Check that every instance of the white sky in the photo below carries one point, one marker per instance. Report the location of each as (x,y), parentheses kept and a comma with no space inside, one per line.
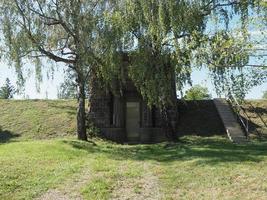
(49,86)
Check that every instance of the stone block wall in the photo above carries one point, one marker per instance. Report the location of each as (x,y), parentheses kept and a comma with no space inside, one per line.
(199,118)
(99,112)
(99,107)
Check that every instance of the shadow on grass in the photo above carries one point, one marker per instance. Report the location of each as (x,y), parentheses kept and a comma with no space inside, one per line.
(256,128)
(252,126)
(6,136)
(257,109)
(203,150)
(66,108)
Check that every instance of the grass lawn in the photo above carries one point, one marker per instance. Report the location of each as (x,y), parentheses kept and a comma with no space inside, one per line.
(35,166)
(197,168)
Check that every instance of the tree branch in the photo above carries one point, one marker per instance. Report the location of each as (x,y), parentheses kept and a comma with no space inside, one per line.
(261,66)
(52,20)
(207,9)
(37,44)
(63,24)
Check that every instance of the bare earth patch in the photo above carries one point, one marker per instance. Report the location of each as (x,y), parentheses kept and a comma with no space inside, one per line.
(145,187)
(55,195)
(70,189)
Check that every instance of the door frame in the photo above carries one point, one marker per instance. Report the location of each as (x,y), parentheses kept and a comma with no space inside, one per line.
(136,100)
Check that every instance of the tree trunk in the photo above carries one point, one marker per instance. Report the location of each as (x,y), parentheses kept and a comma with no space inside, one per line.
(170,112)
(81,117)
(169,126)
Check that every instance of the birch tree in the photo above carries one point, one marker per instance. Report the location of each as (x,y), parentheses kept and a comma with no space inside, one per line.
(64,31)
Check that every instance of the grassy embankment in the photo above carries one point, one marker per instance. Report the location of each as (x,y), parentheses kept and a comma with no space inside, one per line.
(257,113)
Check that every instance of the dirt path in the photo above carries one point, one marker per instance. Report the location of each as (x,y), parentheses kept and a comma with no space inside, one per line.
(70,189)
(146,187)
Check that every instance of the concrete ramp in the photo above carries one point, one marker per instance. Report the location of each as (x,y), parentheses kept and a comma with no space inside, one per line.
(232,127)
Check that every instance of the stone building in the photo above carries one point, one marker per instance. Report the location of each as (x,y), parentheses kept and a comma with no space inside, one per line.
(124,116)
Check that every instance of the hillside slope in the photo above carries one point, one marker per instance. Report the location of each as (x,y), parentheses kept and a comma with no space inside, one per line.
(257,113)
(37,119)
(42,119)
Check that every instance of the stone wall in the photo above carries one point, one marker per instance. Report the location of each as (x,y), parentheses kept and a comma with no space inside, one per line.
(107,112)
(199,118)
(99,108)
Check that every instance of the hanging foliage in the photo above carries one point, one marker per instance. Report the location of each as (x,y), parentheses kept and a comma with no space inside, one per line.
(66,31)
(167,39)
(162,40)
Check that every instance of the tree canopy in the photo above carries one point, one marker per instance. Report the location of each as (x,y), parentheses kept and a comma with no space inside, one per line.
(163,39)
(168,39)
(197,92)
(68,89)
(62,31)
(7,90)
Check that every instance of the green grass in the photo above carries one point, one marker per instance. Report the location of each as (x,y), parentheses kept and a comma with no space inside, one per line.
(29,168)
(99,188)
(256,125)
(195,168)
(37,119)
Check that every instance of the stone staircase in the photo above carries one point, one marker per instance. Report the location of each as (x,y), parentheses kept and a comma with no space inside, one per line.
(232,127)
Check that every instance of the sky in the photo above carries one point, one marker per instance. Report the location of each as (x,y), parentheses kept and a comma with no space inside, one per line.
(49,86)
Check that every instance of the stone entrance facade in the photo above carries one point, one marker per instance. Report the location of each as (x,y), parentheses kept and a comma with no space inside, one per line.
(125,117)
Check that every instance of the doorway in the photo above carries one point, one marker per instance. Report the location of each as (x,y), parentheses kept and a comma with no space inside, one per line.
(132,121)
